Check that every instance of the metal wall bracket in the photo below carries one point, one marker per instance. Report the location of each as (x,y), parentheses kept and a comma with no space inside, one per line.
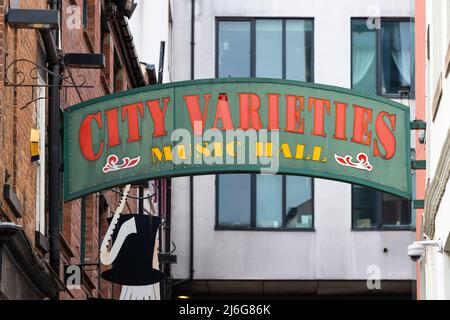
(13,201)
(418,125)
(418,164)
(418,204)
(17,78)
(22,79)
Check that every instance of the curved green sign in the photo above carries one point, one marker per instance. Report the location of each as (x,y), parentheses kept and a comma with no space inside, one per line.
(236,125)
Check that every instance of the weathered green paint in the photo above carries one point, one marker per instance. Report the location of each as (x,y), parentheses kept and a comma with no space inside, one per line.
(418,204)
(419,164)
(418,125)
(83,177)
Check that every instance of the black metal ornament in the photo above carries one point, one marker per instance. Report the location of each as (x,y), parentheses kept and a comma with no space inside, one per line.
(133,265)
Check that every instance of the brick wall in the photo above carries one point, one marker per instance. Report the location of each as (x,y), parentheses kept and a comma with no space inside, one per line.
(16,123)
(89,40)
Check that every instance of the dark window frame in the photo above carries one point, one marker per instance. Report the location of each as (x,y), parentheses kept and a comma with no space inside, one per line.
(378,55)
(85,14)
(252,21)
(380,226)
(253,212)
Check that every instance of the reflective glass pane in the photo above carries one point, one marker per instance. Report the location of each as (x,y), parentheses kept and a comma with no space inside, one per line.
(234,200)
(363,57)
(299,50)
(268,201)
(396,211)
(299,202)
(365,207)
(269,46)
(397,40)
(234,49)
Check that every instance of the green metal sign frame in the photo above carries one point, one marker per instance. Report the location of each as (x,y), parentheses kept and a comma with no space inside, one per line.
(323,131)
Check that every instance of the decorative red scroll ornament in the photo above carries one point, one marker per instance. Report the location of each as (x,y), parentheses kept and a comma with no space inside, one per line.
(362,164)
(112,163)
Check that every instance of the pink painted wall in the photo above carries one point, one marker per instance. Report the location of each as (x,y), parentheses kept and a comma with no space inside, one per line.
(420,43)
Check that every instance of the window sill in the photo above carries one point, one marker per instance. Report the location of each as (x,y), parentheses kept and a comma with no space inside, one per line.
(386,229)
(394,96)
(216,228)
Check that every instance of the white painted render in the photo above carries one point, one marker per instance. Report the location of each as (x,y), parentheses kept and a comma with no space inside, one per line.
(437,265)
(149,26)
(332,251)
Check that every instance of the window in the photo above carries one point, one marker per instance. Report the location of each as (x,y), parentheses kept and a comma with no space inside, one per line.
(373,209)
(234,203)
(234,49)
(85,14)
(264,202)
(299,202)
(41,163)
(270,48)
(383,59)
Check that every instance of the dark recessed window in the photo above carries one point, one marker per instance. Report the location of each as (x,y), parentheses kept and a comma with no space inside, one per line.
(85,14)
(383,58)
(373,210)
(264,202)
(267,48)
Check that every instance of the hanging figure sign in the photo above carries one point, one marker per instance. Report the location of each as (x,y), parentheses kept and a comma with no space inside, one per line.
(128,246)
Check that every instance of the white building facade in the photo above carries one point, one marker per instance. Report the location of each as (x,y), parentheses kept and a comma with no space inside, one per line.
(435,265)
(254,235)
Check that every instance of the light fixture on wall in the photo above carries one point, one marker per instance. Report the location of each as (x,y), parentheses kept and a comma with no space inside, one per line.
(85,60)
(33,19)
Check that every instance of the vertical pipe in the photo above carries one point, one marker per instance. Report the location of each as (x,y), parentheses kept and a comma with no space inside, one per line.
(162,48)
(163,282)
(141,200)
(168,242)
(191,225)
(54,146)
(160,209)
(163,232)
(192,39)
(83,231)
(191,178)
